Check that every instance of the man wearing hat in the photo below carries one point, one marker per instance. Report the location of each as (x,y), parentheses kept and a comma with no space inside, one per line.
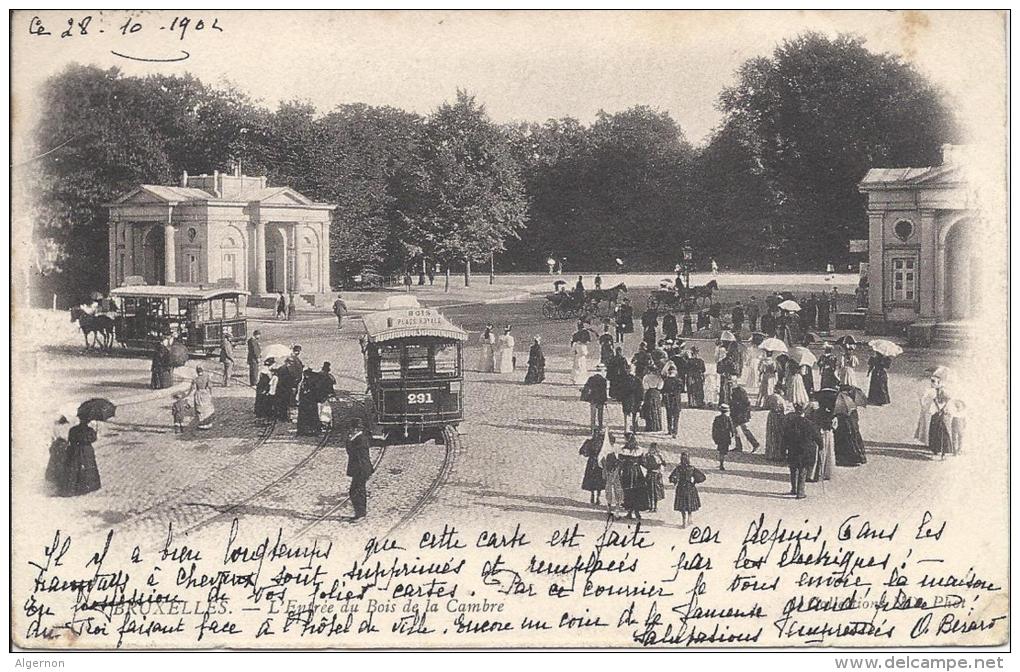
(359,467)
(802,441)
(723,433)
(595,392)
(254,357)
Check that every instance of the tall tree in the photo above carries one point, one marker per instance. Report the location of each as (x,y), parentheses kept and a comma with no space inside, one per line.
(465,196)
(819,113)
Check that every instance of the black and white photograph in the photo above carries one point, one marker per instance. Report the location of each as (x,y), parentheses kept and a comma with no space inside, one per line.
(509,330)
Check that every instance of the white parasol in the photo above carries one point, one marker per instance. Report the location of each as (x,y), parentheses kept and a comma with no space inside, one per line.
(773,345)
(277,351)
(727,336)
(884,347)
(790,305)
(802,356)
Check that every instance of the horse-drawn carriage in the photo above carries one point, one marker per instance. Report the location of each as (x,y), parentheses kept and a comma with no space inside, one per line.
(594,303)
(681,298)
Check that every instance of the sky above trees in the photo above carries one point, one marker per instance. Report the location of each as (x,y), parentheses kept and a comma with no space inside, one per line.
(525,66)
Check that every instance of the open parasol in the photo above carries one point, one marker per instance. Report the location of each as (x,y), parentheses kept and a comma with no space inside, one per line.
(277,351)
(856,394)
(773,345)
(884,347)
(757,337)
(727,337)
(178,354)
(790,305)
(97,409)
(802,356)
(844,404)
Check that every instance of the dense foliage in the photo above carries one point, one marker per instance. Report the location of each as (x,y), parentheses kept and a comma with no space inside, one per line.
(775,186)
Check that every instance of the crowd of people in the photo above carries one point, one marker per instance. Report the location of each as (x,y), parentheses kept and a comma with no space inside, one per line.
(760,361)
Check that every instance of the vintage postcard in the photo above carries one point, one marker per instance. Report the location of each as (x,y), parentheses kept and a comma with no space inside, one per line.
(509,329)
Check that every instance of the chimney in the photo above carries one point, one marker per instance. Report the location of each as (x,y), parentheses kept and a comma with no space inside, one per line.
(217,184)
(184,179)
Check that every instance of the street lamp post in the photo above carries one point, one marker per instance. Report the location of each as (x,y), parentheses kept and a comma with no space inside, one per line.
(688,255)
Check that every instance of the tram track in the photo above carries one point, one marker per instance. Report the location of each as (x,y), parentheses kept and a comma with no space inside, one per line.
(265,433)
(451,444)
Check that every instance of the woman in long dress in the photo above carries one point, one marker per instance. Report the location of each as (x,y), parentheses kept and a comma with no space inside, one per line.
(651,409)
(750,355)
(162,369)
(940,427)
(308,405)
(536,363)
(81,473)
(486,359)
(263,398)
(686,479)
(766,378)
(58,449)
(594,480)
(847,363)
(938,381)
(201,387)
(606,344)
(504,361)
(632,479)
(849,444)
(878,386)
(774,423)
(695,375)
(279,394)
(653,463)
(796,390)
(579,365)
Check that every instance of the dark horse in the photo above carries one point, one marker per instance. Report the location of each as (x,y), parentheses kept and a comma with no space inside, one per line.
(612,295)
(700,292)
(96,325)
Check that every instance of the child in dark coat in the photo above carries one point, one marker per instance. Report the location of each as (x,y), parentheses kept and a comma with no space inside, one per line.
(180,410)
(723,433)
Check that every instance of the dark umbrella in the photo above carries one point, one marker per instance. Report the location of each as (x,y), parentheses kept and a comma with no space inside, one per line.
(97,409)
(826,398)
(844,341)
(757,337)
(178,354)
(856,395)
(844,404)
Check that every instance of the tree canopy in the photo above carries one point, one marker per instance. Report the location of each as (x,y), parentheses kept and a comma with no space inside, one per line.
(775,185)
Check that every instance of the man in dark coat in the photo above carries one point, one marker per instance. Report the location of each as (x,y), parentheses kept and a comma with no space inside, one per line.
(802,441)
(752,314)
(254,357)
(670,329)
(738,318)
(822,308)
(359,467)
(723,433)
(597,394)
(768,323)
(740,405)
(339,308)
(624,320)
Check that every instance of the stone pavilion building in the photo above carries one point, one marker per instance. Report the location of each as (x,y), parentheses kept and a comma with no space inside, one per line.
(223,229)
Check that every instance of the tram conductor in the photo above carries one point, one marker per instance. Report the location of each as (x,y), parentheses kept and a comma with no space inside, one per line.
(359,467)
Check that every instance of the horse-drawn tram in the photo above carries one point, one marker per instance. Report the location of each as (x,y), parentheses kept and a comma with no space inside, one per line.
(198,316)
(414,366)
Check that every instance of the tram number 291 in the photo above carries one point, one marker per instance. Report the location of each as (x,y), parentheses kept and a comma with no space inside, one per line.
(419,398)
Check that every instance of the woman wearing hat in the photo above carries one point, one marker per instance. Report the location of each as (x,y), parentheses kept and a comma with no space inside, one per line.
(504,352)
(695,372)
(610,464)
(536,363)
(201,387)
(59,447)
(778,408)
(767,378)
(686,479)
(633,479)
(80,473)
(845,373)
(878,383)
(651,408)
(594,480)
(486,358)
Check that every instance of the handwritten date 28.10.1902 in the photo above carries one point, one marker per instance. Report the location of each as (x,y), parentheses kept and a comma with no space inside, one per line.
(83,26)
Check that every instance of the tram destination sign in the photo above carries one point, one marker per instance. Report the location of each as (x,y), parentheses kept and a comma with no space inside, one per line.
(418,317)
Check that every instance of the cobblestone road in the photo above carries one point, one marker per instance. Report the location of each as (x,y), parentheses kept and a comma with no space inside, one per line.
(518,461)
